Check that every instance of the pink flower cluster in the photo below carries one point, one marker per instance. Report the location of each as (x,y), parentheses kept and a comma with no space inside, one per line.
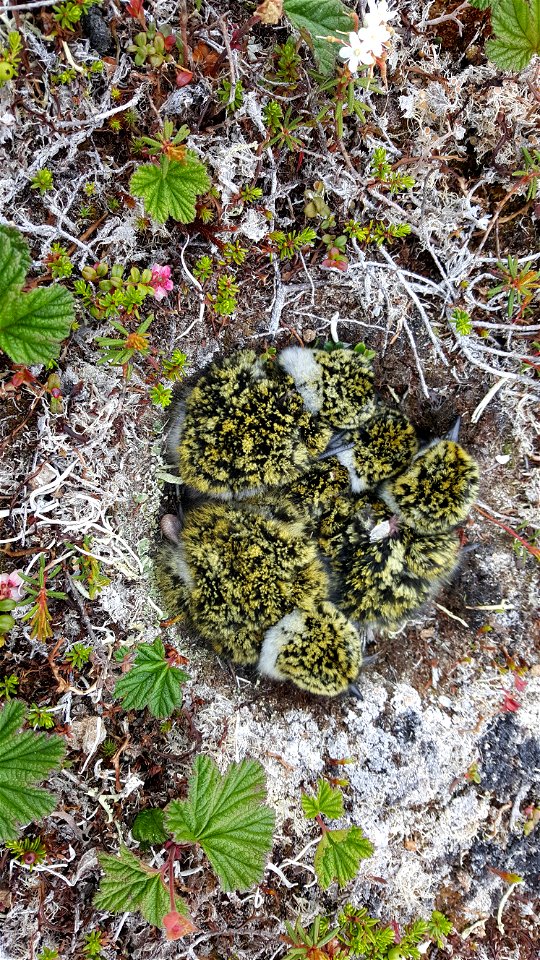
(11,586)
(161,281)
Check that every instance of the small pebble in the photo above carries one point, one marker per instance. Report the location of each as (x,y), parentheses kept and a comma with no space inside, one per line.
(96,30)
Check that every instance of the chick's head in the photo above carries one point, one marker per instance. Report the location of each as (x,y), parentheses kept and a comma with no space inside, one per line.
(382,447)
(244,427)
(387,570)
(315,647)
(438,489)
(246,572)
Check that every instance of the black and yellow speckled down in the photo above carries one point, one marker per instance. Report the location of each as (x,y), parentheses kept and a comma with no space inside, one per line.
(438,489)
(244,428)
(347,388)
(242,572)
(316,647)
(313,491)
(379,449)
(387,571)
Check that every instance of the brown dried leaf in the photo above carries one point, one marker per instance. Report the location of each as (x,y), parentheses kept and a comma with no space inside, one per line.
(205,58)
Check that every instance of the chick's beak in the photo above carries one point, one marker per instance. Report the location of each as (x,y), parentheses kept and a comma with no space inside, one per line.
(355,692)
(453,433)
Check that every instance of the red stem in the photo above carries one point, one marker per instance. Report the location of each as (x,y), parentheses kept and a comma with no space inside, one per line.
(528,546)
(172,852)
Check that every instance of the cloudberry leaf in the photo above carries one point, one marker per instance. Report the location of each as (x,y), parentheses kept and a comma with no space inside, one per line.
(33,324)
(170,188)
(14,262)
(226,816)
(130,885)
(516,25)
(152,682)
(328,801)
(25,759)
(339,854)
(327,18)
(148,826)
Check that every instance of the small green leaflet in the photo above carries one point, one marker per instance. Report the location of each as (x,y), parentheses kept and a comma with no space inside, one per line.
(516,25)
(148,826)
(339,854)
(439,927)
(170,188)
(31,324)
(327,18)
(226,816)
(129,885)
(328,801)
(152,682)
(14,261)
(482,4)
(25,759)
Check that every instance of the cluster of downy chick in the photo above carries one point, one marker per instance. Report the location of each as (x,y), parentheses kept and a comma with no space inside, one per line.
(310,514)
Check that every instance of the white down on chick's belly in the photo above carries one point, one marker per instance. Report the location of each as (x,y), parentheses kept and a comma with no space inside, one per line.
(302,366)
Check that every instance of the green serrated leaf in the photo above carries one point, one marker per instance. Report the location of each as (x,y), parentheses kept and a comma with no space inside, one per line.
(327,18)
(152,682)
(170,189)
(32,325)
(14,262)
(226,816)
(25,758)
(148,826)
(130,885)
(339,854)
(516,25)
(328,801)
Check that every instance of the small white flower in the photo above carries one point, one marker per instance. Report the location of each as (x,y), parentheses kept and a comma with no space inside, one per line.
(379,13)
(373,38)
(356,53)
(367,44)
